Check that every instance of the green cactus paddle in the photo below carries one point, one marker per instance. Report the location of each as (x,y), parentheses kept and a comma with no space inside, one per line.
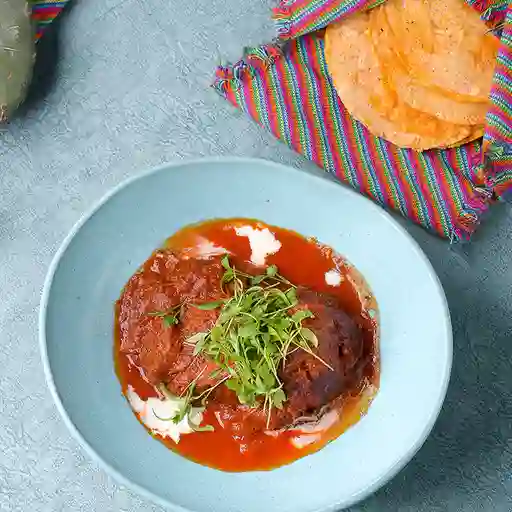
(17,54)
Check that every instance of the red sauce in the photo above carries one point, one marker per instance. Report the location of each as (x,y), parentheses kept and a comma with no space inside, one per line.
(304,262)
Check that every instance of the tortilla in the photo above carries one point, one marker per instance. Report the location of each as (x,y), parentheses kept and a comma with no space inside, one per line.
(415,72)
(476,133)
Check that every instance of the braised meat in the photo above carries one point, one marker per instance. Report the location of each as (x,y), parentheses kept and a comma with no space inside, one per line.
(171,284)
(168,281)
(309,383)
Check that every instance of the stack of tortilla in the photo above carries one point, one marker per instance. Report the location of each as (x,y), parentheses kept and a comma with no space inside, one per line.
(415,72)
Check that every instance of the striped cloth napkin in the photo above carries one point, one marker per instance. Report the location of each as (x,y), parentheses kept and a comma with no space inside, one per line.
(43,13)
(286,88)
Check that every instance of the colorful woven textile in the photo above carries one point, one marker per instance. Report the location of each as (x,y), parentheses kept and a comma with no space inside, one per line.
(299,17)
(43,13)
(498,132)
(286,88)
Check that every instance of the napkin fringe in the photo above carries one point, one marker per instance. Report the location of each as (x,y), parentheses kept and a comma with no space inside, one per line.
(493,13)
(498,169)
(470,217)
(282,20)
(229,78)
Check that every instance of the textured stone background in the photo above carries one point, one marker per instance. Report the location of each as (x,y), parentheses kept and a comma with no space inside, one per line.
(122,86)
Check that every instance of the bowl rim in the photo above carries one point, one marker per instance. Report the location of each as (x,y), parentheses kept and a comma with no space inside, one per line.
(369,489)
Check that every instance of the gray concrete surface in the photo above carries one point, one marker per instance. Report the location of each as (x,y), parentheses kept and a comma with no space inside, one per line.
(122,86)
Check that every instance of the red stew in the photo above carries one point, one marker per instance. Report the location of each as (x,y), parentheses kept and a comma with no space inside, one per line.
(144,353)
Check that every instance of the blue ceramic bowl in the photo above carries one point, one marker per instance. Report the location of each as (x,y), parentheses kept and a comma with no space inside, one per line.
(105,248)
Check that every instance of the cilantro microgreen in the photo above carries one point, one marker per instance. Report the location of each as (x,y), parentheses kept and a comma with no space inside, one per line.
(185,407)
(208,306)
(169,316)
(205,428)
(256,329)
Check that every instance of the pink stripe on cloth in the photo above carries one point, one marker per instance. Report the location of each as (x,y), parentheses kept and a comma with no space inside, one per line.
(43,13)
(498,132)
(299,17)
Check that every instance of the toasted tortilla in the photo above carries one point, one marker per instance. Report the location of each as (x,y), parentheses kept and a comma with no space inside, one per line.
(415,72)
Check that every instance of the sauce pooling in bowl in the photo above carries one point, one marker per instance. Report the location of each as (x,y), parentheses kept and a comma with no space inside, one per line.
(326,390)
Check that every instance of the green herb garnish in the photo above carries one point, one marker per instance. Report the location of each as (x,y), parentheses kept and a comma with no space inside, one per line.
(255,331)
(169,316)
(185,406)
(204,428)
(208,306)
